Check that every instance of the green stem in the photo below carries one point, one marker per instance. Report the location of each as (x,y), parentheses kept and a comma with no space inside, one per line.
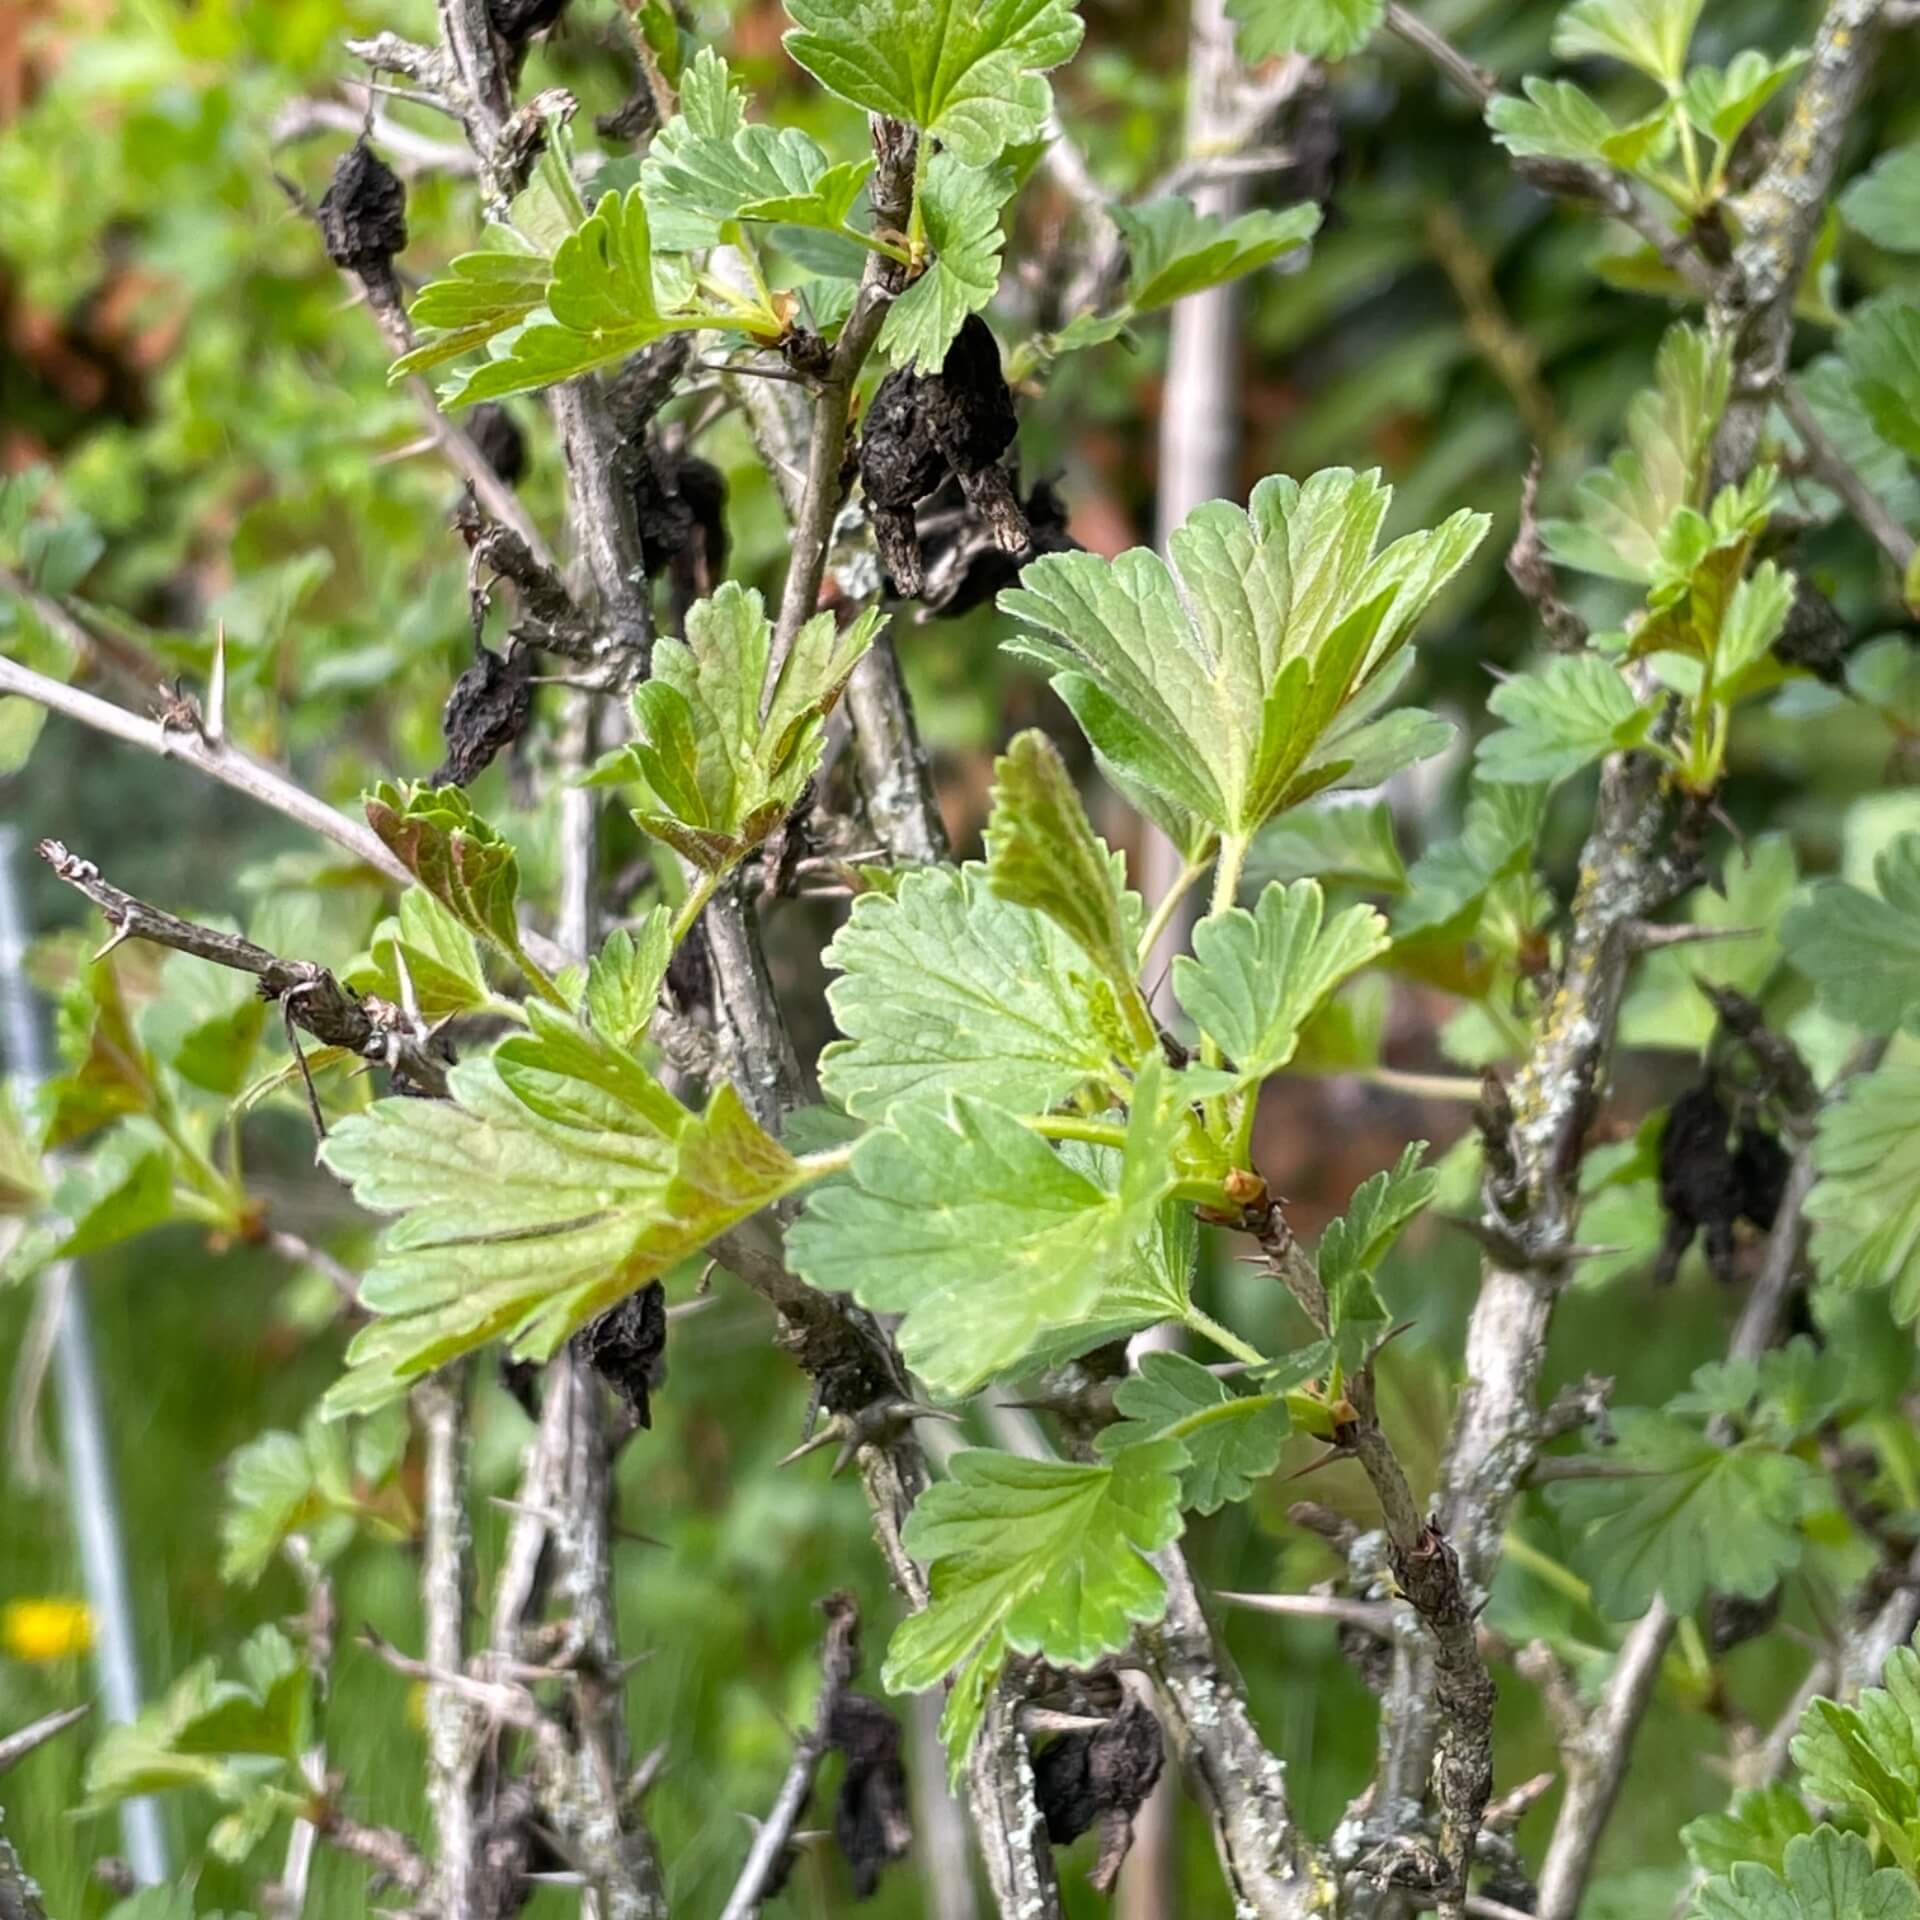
(1169,901)
(1073,1126)
(1208,1328)
(829,1161)
(1544,1567)
(693,906)
(874,244)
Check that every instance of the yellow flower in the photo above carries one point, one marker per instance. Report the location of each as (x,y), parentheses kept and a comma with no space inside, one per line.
(45,1629)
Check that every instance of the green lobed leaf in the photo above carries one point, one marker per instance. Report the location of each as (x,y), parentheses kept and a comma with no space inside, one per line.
(1556,120)
(1042,1557)
(967,76)
(1323,29)
(1577,709)
(961,206)
(624,977)
(947,988)
(982,1235)
(1333,841)
(1255,979)
(1757,1827)
(1232,1440)
(1623,509)
(1652,35)
(1723,101)
(1351,1250)
(123,1188)
(1881,346)
(1883,205)
(1864,1755)
(1828,1875)
(480,295)
(558,1178)
(709,165)
(1687,1516)
(1865,1206)
(1043,853)
(721,778)
(426,949)
(1862,950)
(1173,251)
(1216,684)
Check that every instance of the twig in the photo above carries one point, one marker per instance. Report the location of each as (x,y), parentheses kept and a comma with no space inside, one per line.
(219,759)
(1372,1616)
(16,1746)
(1837,471)
(839,1661)
(391,1853)
(413,152)
(314,999)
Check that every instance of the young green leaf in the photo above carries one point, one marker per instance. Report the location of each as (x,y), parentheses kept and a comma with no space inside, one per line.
(600,305)
(314,1483)
(1255,979)
(1865,1207)
(1339,840)
(1323,29)
(1352,1248)
(1687,1515)
(120,1190)
(1828,1875)
(968,77)
(222,1736)
(1577,709)
(1861,950)
(428,950)
(1218,688)
(479,297)
(1042,1557)
(1232,1440)
(1722,101)
(623,978)
(974,1228)
(558,1178)
(947,988)
(1652,35)
(1152,1285)
(1173,251)
(1865,1756)
(457,858)
(961,206)
(721,779)
(1042,853)
(1556,121)
(1624,507)
(709,164)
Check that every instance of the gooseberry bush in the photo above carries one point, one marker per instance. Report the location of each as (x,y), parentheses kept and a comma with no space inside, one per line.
(984,1202)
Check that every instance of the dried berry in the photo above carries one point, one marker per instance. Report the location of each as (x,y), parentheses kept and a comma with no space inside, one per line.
(363,216)
(486,712)
(1102,1775)
(628,1348)
(1761,1165)
(1733,1619)
(680,502)
(498,440)
(871,1822)
(965,564)
(920,428)
(1699,1187)
(1816,636)
(517,21)
(521,1378)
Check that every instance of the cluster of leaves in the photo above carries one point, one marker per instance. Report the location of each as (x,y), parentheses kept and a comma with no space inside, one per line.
(1767,1857)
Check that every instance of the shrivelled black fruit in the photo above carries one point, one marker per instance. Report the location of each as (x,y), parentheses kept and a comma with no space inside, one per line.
(1732,1619)
(498,440)
(517,21)
(920,428)
(680,502)
(486,712)
(871,1822)
(1707,1182)
(1698,1185)
(1102,1775)
(1761,1165)
(628,1347)
(966,566)
(363,214)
